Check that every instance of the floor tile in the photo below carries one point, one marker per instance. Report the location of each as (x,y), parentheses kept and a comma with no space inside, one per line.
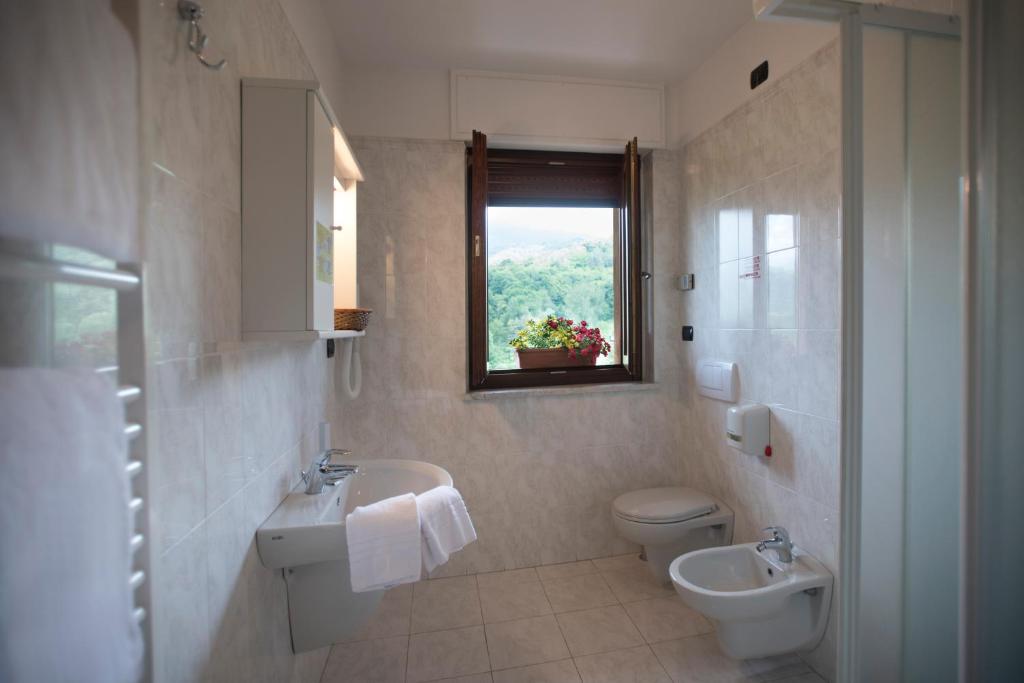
(525,641)
(370,661)
(391,617)
(441,604)
(636,583)
(579,592)
(635,665)
(563,671)
(598,630)
(513,601)
(554,572)
(609,564)
(699,660)
(667,619)
(472,678)
(447,654)
(507,577)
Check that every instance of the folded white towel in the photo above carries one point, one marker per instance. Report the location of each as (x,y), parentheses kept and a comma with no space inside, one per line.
(384,544)
(444,525)
(65,602)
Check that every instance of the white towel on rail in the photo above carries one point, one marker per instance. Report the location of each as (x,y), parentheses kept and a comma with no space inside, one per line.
(384,543)
(65,602)
(69,164)
(445,525)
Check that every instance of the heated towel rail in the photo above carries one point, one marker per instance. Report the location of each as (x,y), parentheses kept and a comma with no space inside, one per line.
(27,264)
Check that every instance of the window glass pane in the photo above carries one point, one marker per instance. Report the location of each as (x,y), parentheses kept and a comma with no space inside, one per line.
(84,318)
(549,261)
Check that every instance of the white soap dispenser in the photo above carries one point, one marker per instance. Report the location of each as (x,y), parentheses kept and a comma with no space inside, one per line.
(746,429)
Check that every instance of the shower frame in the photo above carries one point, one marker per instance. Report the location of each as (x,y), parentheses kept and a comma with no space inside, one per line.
(852,18)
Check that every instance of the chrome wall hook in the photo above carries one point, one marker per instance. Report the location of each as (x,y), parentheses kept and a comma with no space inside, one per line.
(192,12)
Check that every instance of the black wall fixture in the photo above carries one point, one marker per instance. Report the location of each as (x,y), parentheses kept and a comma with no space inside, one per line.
(759,75)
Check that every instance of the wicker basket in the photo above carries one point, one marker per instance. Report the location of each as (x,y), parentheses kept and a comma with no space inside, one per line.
(352,318)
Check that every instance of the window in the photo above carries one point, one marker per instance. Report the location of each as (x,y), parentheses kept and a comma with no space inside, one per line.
(84,318)
(553,234)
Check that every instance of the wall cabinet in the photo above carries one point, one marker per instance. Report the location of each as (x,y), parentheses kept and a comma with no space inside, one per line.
(292,153)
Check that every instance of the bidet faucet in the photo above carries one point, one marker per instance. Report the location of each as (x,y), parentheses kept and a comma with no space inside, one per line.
(322,472)
(779,542)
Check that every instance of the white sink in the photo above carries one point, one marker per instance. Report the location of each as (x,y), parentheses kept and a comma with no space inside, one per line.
(305,536)
(761,606)
(305,529)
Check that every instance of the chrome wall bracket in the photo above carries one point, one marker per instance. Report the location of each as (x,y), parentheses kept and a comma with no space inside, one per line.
(192,12)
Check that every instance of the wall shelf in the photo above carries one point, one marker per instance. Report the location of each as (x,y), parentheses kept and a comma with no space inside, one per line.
(301,335)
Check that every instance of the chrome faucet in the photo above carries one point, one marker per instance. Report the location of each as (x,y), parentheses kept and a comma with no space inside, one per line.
(779,542)
(322,472)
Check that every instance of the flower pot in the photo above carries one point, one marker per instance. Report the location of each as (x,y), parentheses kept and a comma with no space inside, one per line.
(531,359)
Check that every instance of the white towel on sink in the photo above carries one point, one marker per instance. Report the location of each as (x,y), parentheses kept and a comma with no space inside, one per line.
(444,525)
(384,543)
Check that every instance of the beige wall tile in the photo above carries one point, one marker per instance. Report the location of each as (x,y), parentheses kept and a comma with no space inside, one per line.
(219,465)
(776,158)
(413,208)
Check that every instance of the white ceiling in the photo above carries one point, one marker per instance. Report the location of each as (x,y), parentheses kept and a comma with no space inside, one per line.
(639,40)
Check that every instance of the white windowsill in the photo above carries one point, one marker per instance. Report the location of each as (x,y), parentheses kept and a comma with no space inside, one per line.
(565,390)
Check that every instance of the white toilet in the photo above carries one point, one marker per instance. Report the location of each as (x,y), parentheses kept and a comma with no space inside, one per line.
(669,521)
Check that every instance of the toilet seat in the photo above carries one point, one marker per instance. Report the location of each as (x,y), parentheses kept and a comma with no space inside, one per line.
(664,505)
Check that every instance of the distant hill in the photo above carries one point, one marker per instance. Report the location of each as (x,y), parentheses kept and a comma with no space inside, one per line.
(533,280)
(543,254)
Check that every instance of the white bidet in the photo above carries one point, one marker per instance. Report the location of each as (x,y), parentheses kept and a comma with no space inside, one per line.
(761,605)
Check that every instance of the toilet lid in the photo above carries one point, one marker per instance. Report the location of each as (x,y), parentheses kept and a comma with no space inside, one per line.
(664,504)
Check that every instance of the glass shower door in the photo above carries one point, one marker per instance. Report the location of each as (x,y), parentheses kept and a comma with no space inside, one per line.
(911,361)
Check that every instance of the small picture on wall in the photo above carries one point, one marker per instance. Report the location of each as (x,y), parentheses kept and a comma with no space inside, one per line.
(324,253)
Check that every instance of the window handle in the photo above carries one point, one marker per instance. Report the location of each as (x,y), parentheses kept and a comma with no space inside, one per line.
(476,246)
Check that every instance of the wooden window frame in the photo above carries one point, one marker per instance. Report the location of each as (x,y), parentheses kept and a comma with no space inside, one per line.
(522,180)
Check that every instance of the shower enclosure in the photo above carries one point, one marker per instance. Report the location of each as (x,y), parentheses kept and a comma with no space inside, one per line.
(902,331)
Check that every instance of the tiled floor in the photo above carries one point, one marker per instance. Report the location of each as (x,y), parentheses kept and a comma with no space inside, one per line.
(600,621)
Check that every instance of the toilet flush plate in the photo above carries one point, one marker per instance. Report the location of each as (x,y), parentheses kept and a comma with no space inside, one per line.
(717,379)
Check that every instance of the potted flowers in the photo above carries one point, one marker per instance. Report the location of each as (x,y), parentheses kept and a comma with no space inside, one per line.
(558,342)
